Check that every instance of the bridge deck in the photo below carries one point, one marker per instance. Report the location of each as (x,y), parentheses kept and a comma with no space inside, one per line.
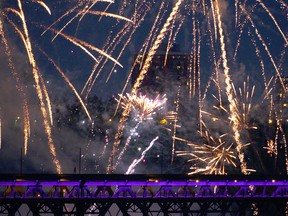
(50,194)
(141,186)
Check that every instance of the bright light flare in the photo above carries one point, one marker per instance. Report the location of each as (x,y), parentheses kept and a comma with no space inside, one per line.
(143,106)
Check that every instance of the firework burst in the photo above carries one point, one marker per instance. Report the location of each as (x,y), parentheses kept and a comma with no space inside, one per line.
(213,33)
(143,106)
(144,109)
(215,156)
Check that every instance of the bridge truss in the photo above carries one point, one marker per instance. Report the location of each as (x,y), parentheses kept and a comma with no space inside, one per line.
(142,195)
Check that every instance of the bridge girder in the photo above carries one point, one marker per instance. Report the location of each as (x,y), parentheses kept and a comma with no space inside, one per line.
(141,195)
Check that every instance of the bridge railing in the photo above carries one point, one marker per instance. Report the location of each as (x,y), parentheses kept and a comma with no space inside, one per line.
(107,186)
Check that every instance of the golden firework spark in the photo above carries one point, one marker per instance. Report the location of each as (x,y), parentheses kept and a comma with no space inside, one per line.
(243,101)
(155,46)
(229,93)
(271,147)
(143,106)
(213,157)
(243,105)
(40,89)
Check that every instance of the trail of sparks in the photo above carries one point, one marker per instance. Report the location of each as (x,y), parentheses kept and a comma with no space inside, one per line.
(274,20)
(272,144)
(43,5)
(82,12)
(47,98)
(118,135)
(279,124)
(131,168)
(198,75)
(243,103)
(82,44)
(26,126)
(106,143)
(236,12)
(216,79)
(257,51)
(137,21)
(264,44)
(155,46)
(192,71)
(132,132)
(101,13)
(229,93)
(70,85)
(175,123)
(172,36)
(19,87)
(214,19)
(28,47)
(144,47)
(125,45)
(59,19)
(154,30)
(216,66)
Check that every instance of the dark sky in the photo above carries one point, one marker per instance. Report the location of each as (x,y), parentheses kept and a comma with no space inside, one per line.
(261,44)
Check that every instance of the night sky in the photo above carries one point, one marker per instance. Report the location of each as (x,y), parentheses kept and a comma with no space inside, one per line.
(254,38)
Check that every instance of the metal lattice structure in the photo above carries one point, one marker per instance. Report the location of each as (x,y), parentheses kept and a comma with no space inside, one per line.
(142,195)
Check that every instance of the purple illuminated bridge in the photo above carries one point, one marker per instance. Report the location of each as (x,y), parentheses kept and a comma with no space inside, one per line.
(49,194)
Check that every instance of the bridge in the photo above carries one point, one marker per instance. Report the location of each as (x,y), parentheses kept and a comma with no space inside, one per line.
(113,194)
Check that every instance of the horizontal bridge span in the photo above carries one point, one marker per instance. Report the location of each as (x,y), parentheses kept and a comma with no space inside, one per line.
(119,195)
(142,186)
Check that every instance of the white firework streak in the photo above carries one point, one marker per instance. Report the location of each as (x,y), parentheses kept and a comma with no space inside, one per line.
(135,162)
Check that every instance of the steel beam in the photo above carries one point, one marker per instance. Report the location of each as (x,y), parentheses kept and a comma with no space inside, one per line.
(142,195)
